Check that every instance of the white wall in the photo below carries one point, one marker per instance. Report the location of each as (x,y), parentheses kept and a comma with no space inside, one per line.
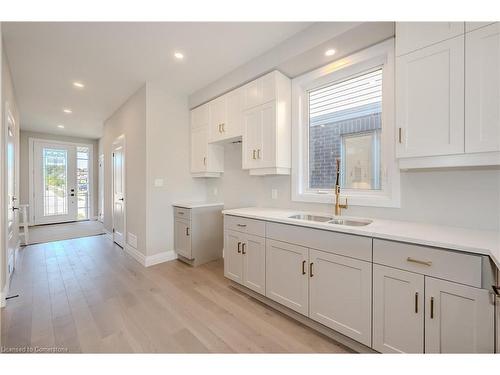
(130,120)
(24,162)
(464,198)
(168,160)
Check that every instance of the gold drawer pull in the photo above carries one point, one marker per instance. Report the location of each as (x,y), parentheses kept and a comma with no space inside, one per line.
(242,225)
(423,262)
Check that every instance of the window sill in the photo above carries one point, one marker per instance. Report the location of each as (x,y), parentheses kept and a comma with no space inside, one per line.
(353,199)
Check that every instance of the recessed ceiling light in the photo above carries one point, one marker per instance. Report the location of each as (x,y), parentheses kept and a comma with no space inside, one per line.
(67,110)
(78,84)
(60,126)
(178,55)
(330,52)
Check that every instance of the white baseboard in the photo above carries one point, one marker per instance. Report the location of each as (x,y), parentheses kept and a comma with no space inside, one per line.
(108,235)
(164,256)
(138,256)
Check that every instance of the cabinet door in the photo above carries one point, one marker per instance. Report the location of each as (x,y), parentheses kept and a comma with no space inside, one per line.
(398,311)
(182,238)
(200,117)
(430,100)
(458,318)
(411,36)
(340,294)
(287,275)
(234,127)
(199,148)
(218,118)
(254,263)
(266,146)
(252,137)
(482,89)
(233,260)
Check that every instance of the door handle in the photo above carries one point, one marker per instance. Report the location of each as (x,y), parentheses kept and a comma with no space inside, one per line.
(121,199)
(15,208)
(72,194)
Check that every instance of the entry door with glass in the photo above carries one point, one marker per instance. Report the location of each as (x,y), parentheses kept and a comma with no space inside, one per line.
(60,182)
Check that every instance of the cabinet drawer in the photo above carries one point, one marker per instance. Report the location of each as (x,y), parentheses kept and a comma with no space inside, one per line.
(182,213)
(443,264)
(241,224)
(349,245)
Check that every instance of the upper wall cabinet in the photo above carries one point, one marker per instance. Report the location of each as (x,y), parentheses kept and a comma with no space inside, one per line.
(226,116)
(267,125)
(482,95)
(430,100)
(448,95)
(415,35)
(207,160)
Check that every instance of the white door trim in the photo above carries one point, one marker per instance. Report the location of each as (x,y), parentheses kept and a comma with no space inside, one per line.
(119,140)
(31,147)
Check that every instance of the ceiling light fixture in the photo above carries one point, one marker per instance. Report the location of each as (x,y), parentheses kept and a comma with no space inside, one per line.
(60,126)
(67,110)
(330,52)
(78,84)
(178,55)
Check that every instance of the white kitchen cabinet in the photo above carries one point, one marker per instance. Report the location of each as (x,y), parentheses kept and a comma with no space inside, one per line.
(430,100)
(398,310)
(182,238)
(260,90)
(226,116)
(267,131)
(287,275)
(411,36)
(340,294)
(207,160)
(458,318)
(245,259)
(497,301)
(482,89)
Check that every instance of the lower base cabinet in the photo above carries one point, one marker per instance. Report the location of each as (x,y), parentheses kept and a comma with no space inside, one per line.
(458,319)
(287,275)
(398,310)
(245,260)
(453,318)
(182,238)
(340,294)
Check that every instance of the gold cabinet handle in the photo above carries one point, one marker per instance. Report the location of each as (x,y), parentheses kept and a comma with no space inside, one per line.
(432,307)
(243,248)
(258,153)
(311,270)
(223,127)
(205,160)
(239,249)
(303,267)
(416,302)
(423,262)
(399,135)
(242,225)
(253,154)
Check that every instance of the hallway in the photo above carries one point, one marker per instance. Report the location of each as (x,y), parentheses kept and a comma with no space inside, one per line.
(87,295)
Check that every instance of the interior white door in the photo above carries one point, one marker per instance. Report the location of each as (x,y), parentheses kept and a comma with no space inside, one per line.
(398,310)
(340,294)
(118,174)
(458,318)
(12,236)
(55,182)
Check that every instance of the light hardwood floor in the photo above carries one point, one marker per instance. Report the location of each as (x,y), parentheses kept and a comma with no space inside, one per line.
(87,295)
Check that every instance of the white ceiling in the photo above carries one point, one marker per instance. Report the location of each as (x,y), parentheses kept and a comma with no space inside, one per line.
(115,59)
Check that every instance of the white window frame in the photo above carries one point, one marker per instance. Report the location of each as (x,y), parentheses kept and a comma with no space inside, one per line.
(380,55)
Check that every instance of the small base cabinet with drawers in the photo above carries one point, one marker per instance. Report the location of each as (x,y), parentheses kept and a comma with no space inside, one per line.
(390,296)
(197,233)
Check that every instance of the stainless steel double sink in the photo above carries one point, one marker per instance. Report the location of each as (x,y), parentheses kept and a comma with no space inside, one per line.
(332,220)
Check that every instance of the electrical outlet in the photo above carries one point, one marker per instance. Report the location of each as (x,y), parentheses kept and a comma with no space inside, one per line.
(274,193)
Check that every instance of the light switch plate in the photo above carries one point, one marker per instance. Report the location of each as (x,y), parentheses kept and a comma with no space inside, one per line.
(158,182)
(274,193)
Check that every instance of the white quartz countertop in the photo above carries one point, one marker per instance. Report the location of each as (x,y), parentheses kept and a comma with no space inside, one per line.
(460,239)
(197,204)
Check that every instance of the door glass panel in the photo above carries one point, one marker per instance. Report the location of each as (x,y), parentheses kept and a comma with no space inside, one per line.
(82,181)
(55,182)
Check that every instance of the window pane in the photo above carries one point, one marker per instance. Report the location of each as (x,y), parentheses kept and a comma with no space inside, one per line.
(345,123)
(82,179)
(54,182)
